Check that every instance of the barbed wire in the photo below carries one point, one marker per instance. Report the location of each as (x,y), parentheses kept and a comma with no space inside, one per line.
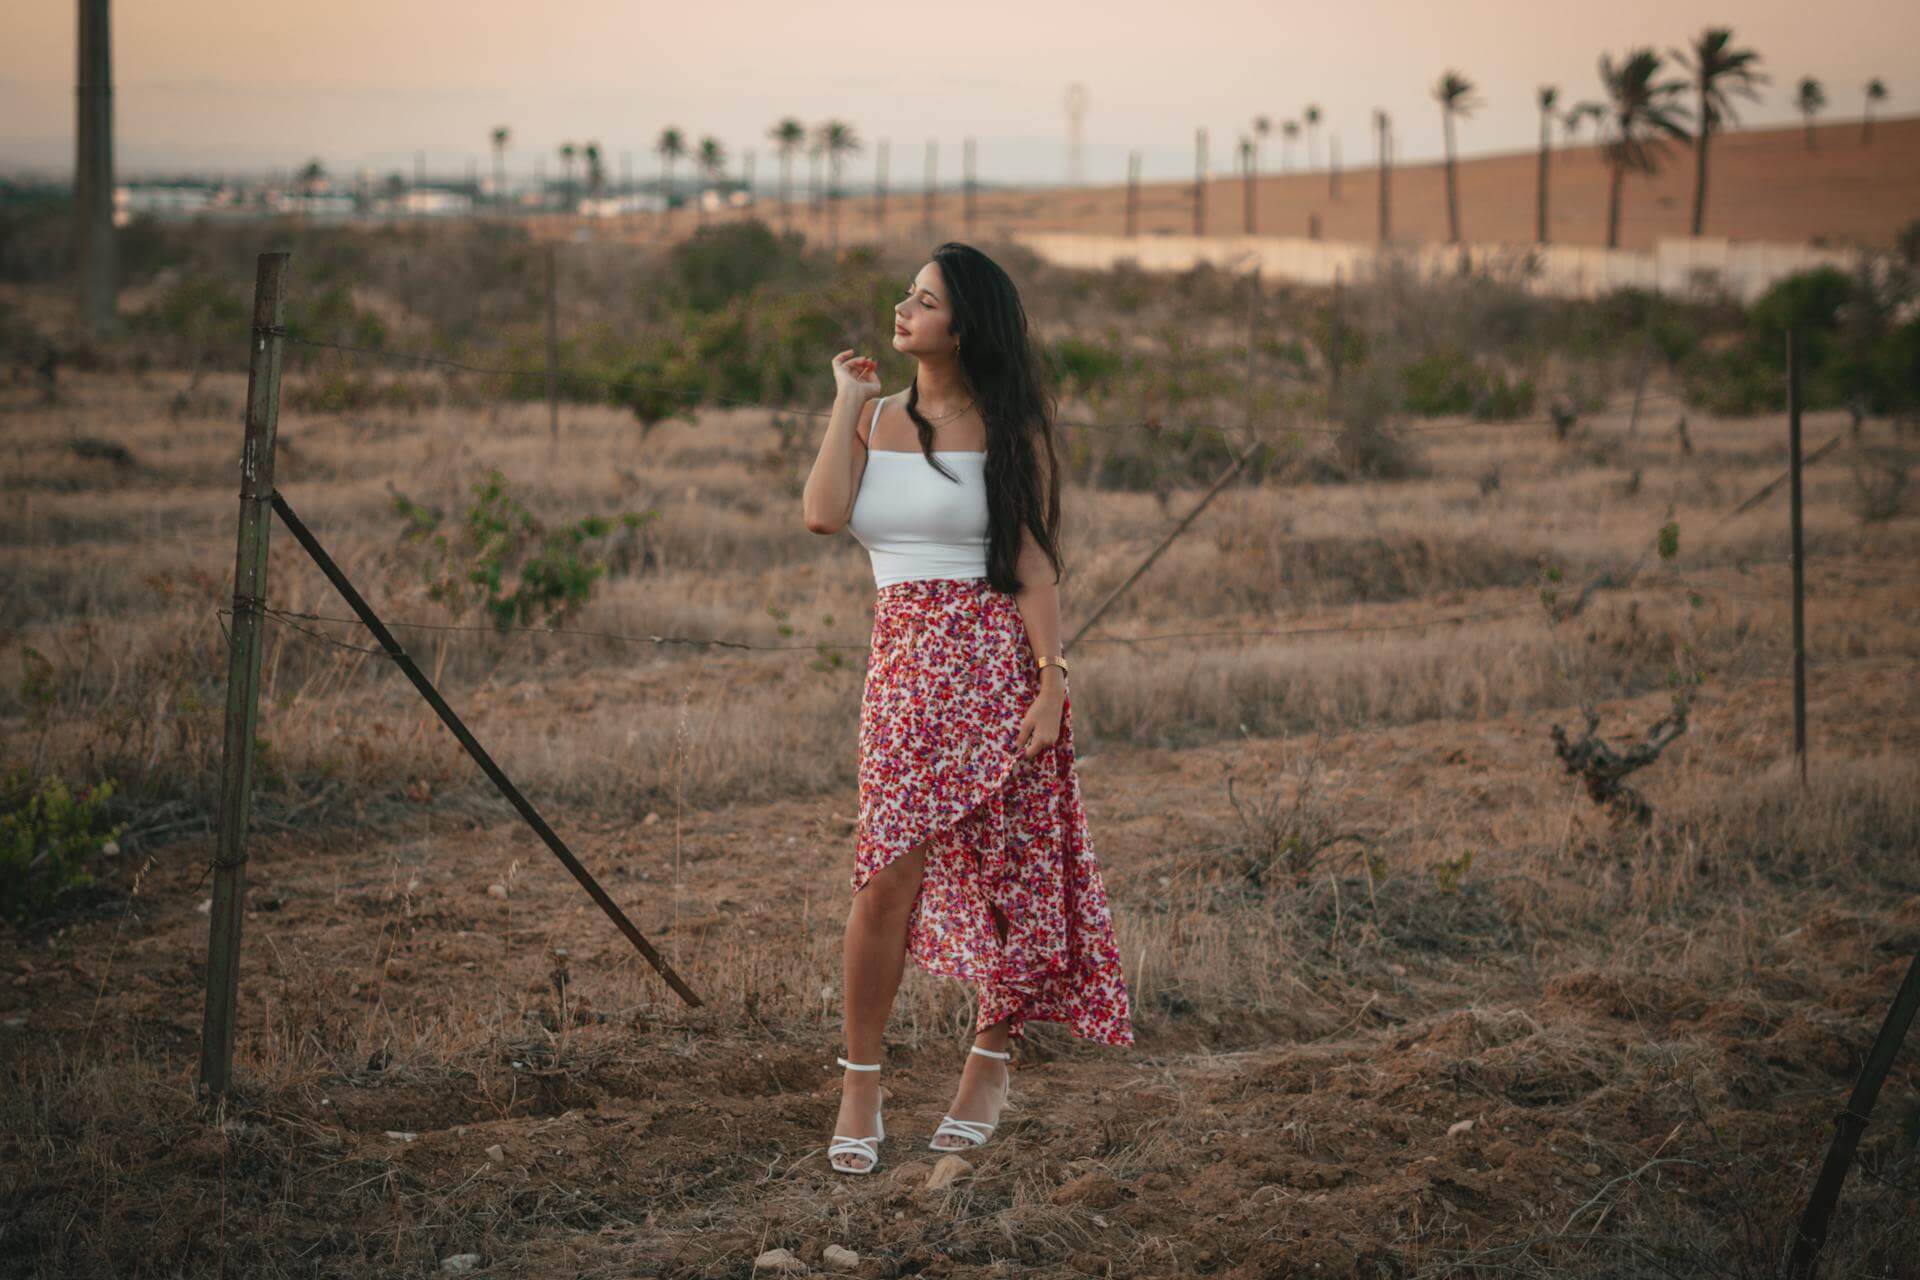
(292,618)
(1605,580)
(702,396)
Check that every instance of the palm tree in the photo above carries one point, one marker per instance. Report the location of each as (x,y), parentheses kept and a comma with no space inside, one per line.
(1642,109)
(787,136)
(501,136)
(1312,116)
(1578,115)
(1454,92)
(1289,130)
(671,145)
(1717,68)
(1262,126)
(837,141)
(1547,97)
(1876,92)
(1812,98)
(596,173)
(713,167)
(1246,174)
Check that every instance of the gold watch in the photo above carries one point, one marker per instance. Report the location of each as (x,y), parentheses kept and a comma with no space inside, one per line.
(1042,664)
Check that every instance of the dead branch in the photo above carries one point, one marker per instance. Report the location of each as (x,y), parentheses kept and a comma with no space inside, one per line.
(1604,769)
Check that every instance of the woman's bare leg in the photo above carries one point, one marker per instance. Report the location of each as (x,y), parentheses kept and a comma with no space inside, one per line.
(874,958)
(983,1080)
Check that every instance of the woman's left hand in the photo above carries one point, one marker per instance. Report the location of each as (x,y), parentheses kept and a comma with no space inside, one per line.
(1040,727)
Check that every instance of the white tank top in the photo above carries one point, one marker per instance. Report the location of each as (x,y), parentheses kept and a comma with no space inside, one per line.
(914,522)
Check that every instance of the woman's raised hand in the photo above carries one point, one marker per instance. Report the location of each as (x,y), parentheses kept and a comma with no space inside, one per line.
(856,376)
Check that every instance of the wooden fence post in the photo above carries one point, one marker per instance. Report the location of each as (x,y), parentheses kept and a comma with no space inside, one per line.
(553,346)
(243,671)
(1799,559)
(1133,193)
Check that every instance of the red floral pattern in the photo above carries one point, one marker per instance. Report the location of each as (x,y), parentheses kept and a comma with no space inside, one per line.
(950,675)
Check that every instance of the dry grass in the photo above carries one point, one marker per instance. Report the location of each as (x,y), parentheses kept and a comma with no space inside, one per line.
(1649,1032)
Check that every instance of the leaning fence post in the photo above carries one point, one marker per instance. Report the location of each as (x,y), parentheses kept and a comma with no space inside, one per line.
(243,671)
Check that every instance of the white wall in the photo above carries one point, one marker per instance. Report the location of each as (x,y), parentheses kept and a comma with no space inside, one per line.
(1744,269)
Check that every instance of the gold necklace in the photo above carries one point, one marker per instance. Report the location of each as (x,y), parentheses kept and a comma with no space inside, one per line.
(950,416)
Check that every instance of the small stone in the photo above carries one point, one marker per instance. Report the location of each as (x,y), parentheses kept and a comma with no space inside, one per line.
(497,1153)
(1591,1169)
(910,1173)
(778,1262)
(496,890)
(460,1263)
(947,1170)
(1458,1128)
(205,908)
(401,1136)
(111,848)
(840,1259)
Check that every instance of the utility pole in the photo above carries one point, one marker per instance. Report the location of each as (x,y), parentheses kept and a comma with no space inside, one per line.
(1199,182)
(968,156)
(933,166)
(93,174)
(1385,127)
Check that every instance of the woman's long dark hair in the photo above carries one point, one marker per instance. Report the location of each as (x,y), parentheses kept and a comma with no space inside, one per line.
(1009,385)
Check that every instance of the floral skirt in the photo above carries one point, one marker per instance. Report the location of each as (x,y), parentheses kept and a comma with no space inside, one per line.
(950,675)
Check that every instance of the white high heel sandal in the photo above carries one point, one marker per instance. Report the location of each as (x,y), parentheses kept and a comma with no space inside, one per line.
(844,1146)
(975,1132)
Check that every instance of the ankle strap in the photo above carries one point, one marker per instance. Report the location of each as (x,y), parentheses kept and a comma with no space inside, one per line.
(993,1053)
(860,1066)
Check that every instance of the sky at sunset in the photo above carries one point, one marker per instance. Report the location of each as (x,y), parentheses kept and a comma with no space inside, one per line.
(217,85)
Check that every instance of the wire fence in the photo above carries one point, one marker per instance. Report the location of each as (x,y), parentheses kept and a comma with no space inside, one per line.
(553,376)
(293,619)
(699,396)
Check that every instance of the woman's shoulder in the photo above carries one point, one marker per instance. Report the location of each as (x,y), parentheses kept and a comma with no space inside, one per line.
(869,414)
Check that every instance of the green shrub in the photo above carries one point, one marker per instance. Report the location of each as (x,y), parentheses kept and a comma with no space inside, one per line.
(1438,382)
(659,381)
(46,836)
(505,560)
(1448,381)
(1086,367)
(718,264)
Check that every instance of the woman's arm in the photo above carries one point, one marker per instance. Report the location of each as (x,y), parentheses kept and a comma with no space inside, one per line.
(1039,601)
(826,502)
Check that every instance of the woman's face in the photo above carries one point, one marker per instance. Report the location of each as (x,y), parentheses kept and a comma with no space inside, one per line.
(922,314)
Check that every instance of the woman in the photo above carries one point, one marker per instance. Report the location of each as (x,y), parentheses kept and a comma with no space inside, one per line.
(971,854)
